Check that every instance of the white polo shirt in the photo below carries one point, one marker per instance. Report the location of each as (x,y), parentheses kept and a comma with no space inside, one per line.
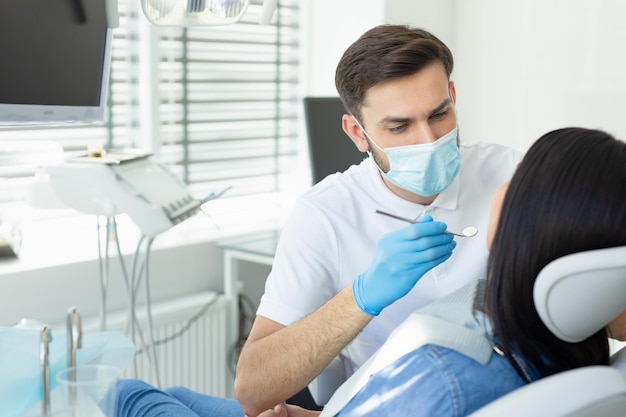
(331,236)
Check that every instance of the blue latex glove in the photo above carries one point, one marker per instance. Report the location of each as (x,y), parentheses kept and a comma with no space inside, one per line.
(401,259)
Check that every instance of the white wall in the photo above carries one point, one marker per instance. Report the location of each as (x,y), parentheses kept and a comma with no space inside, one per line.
(437,17)
(521,67)
(330,27)
(528,66)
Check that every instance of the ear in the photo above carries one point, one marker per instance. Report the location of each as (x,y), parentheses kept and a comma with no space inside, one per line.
(354,132)
(452,91)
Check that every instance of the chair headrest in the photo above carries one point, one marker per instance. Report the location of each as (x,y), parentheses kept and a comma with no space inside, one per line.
(578,294)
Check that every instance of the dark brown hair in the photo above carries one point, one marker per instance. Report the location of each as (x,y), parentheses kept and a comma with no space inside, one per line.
(383,53)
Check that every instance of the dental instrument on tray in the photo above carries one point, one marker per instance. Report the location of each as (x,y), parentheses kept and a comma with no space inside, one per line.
(74,342)
(44,360)
(469,231)
(74,336)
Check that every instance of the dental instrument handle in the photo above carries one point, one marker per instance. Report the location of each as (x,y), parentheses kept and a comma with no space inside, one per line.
(74,338)
(406,219)
(395,216)
(74,342)
(44,349)
(192,206)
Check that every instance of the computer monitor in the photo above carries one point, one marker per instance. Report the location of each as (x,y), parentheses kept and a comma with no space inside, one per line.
(330,149)
(55,61)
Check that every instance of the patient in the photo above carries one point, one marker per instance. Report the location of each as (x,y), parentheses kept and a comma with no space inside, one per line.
(485,340)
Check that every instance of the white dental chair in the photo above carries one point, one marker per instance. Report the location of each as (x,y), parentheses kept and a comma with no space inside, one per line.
(573,310)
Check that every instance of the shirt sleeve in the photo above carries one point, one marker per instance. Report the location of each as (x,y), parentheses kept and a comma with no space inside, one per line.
(304,271)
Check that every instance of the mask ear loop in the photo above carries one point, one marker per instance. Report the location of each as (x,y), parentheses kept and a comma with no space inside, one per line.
(367,135)
(369,153)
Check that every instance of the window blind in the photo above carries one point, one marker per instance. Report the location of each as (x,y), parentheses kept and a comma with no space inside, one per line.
(226,103)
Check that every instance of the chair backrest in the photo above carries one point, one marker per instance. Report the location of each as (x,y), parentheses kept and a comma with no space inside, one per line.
(576,296)
(330,149)
(593,391)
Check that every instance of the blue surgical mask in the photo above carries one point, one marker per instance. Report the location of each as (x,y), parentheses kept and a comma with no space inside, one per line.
(424,169)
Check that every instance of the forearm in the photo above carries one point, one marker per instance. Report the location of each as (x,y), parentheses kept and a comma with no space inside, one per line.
(273,368)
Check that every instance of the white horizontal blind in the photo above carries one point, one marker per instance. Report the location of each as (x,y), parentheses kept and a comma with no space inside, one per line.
(227,112)
(228,101)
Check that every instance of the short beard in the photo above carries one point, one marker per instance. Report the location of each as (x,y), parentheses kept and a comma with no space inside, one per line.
(377,154)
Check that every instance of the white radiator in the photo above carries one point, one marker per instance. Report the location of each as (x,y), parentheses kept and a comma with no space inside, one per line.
(193,343)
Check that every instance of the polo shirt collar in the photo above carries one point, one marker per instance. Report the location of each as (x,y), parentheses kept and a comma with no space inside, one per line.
(447,199)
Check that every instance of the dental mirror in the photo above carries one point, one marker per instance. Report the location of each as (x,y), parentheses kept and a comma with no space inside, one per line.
(469,231)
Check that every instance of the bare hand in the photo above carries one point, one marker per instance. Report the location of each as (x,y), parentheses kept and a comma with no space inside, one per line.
(288,410)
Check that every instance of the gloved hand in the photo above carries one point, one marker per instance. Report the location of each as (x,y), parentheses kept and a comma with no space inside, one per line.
(401,259)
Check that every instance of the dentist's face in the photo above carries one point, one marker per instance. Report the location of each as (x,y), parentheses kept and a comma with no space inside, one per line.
(410,110)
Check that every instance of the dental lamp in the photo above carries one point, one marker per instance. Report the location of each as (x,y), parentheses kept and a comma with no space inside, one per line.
(194,12)
(202,12)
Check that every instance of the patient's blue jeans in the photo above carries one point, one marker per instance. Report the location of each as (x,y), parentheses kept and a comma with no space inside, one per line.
(136,398)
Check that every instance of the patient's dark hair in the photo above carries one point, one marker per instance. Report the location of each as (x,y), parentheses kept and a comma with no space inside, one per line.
(383,53)
(567,195)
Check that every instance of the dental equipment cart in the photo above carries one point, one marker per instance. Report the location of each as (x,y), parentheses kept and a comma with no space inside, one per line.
(126,182)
